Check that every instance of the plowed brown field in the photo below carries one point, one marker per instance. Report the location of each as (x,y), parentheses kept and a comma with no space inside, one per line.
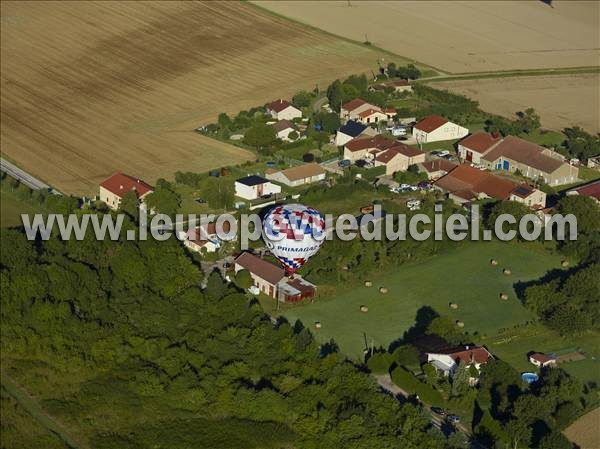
(91,88)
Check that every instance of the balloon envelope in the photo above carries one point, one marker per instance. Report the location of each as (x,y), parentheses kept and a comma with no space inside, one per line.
(293,233)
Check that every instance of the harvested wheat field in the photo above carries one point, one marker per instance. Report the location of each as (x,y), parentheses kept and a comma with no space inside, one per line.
(561,101)
(585,432)
(464,36)
(91,88)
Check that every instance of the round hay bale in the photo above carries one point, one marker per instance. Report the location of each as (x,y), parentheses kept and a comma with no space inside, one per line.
(494,262)
(368,284)
(507,271)
(564,263)
(345,268)
(318,324)
(364,309)
(453,305)
(460,323)
(383,290)
(503,296)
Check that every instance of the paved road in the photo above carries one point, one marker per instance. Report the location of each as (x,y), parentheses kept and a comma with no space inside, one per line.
(385,382)
(25,178)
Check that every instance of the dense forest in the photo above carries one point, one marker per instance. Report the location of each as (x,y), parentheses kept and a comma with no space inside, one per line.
(119,342)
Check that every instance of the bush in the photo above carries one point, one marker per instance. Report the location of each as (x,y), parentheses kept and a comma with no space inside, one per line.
(379,363)
(412,385)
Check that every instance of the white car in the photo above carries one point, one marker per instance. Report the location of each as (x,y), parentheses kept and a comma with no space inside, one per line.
(444,153)
(405,186)
(413,204)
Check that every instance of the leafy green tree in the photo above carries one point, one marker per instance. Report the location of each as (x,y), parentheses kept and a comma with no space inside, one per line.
(555,440)
(301,99)
(130,205)
(164,199)
(243,279)
(335,95)
(261,136)
(215,289)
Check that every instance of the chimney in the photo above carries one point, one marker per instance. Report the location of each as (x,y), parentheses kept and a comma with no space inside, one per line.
(121,187)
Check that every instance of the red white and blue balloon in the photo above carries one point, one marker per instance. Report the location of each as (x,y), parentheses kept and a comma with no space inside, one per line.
(293,233)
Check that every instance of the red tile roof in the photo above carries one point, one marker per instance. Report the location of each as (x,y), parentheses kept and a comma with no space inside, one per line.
(438,165)
(367,112)
(542,358)
(283,124)
(431,123)
(380,142)
(470,355)
(261,268)
(524,152)
(399,83)
(407,151)
(279,105)
(353,104)
(480,141)
(465,178)
(120,183)
(592,190)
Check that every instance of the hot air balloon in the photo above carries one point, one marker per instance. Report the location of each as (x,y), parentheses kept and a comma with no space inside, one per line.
(293,233)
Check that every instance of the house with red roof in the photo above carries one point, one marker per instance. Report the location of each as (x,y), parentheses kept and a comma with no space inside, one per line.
(448,361)
(283,110)
(270,279)
(361,111)
(465,184)
(436,168)
(361,147)
(114,188)
(399,158)
(435,128)
(542,360)
(532,160)
(591,190)
(473,147)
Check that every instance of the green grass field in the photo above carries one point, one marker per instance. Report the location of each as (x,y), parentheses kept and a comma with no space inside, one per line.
(513,345)
(463,276)
(11,209)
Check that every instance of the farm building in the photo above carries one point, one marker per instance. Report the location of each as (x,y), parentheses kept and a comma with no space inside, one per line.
(398,158)
(253,187)
(533,161)
(283,128)
(351,130)
(271,280)
(448,361)
(299,175)
(114,188)
(465,184)
(436,168)
(542,360)
(435,128)
(471,148)
(283,110)
(591,190)
(398,86)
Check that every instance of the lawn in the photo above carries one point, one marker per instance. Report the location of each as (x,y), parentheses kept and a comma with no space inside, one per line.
(464,276)
(11,209)
(513,346)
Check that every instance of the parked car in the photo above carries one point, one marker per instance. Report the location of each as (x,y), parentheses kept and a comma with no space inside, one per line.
(444,153)
(344,163)
(399,131)
(438,411)
(424,185)
(453,419)
(449,157)
(435,152)
(405,186)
